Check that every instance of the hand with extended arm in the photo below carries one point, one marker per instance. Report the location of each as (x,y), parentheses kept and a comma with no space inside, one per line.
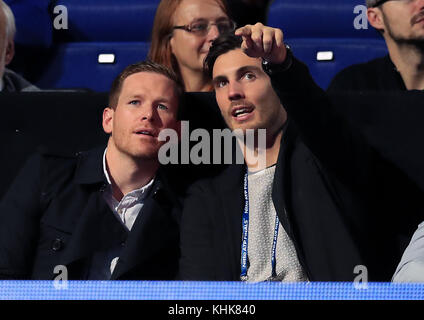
(260,41)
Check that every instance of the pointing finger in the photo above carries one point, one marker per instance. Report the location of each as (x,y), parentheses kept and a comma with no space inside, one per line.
(279,37)
(244,31)
(247,43)
(267,39)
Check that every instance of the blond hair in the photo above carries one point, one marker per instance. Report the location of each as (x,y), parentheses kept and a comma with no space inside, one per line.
(10,20)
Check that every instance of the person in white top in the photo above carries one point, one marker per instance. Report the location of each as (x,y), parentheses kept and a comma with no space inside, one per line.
(411,266)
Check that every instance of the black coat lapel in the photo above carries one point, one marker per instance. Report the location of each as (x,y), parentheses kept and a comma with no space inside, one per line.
(97,229)
(232,204)
(152,248)
(281,184)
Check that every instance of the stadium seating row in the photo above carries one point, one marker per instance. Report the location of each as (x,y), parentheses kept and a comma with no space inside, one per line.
(328,35)
(104,36)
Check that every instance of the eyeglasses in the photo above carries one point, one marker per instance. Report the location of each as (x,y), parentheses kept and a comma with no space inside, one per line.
(201,28)
(379,3)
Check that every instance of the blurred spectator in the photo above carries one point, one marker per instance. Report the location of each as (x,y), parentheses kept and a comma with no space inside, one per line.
(411,266)
(33,19)
(401,24)
(9,80)
(183,31)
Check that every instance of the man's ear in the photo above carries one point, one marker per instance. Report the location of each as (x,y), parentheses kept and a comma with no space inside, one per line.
(108,120)
(10,52)
(375,18)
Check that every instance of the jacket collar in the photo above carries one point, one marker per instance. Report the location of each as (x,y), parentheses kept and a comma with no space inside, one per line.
(157,213)
(393,75)
(90,171)
(161,213)
(90,167)
(230,188)
(281,184)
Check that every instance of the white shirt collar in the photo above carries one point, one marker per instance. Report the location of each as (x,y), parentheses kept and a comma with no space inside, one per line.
(134,193)
(104,167)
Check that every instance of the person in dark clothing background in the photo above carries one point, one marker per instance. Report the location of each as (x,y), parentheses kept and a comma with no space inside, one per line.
(401,24)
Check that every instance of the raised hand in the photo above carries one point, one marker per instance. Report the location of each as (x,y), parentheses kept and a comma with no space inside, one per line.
(260,41)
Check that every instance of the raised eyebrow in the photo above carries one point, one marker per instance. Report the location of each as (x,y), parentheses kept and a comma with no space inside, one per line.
(239,73)
(222,19)
(199,20)
(135,96)
(218,78)
(245,69)
(163,100)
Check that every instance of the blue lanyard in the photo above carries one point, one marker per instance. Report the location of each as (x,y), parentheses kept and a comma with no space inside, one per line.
(245,237)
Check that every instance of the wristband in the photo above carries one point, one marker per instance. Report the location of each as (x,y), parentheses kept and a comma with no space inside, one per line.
(272,68)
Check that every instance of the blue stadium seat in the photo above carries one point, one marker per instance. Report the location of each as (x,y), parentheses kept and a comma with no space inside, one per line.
(103,37)
(75,65)
(326,57)
(33,22)
(110,20)
(323,34)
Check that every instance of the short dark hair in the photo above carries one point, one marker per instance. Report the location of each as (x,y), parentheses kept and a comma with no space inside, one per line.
(371,3)
(143,66)
(221,45)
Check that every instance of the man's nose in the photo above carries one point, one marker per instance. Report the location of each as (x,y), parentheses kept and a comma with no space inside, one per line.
(147,113)
(235,91)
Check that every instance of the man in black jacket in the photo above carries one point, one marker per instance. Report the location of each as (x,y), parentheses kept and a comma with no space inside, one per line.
(401,24)
(104,214)
(321,209)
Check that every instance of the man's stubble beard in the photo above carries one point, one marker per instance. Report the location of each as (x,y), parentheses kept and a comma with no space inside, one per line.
(141,156)
(400,40)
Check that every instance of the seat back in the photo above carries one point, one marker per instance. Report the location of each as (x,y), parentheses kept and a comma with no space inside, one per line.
(327,35)
(101,39)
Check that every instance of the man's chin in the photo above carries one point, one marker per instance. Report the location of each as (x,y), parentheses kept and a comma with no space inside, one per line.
(243,130)
(143,155)
(414,40)
(419,40)
(146,156)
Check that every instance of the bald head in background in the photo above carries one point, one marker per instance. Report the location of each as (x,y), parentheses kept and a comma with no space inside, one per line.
(9,80)
(7,33)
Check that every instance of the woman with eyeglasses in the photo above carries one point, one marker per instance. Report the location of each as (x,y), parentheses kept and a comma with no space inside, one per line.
(183,31)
